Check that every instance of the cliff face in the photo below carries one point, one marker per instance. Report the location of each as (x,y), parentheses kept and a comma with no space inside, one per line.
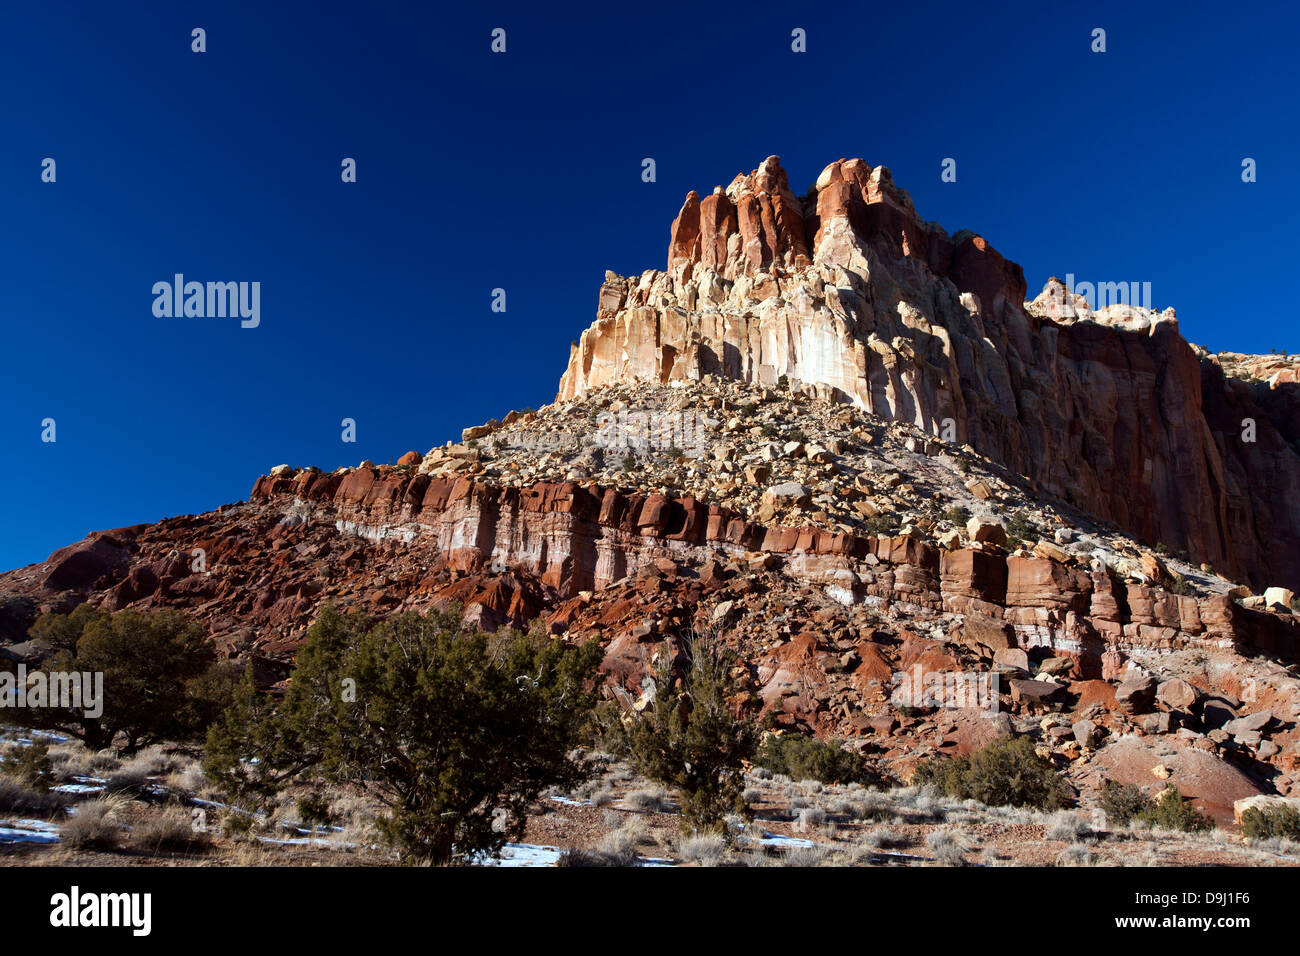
(849,293)
(387,540)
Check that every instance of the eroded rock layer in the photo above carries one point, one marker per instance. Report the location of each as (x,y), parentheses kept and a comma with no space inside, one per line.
(847,290)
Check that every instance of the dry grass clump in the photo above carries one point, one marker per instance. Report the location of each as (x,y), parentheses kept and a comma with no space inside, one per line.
(171,831)
(649,800)
(18,797)
(706,849)
(95,825)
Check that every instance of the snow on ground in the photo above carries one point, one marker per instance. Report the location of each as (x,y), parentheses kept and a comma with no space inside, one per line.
(28,831)
(533,855)
(786,842)
(523,854)
(569,801)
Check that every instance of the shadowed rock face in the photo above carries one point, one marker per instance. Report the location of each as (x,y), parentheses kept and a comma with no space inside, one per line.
(849,293)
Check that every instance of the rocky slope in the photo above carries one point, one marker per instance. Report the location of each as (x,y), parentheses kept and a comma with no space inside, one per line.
(754,443)
(848,291)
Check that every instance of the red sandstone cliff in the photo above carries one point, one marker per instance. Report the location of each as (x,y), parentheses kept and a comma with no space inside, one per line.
(849,291)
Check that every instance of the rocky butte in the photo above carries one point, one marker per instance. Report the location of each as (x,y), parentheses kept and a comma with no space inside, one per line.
(849,291)
(901,471)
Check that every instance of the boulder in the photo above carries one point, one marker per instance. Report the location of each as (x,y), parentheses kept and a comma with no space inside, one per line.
(1279,597)
(986,531)
(1251,723)
(1033,691)
(1136,693)
(1086,732)
(1177,694)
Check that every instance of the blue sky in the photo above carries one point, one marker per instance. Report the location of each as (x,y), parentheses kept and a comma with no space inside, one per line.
(522,171)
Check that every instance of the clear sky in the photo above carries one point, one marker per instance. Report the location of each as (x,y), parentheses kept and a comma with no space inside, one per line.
(522,171)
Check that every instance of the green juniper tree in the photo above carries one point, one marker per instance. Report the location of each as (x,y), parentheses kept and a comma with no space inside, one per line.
(694,738)
(450,730)
(159,679)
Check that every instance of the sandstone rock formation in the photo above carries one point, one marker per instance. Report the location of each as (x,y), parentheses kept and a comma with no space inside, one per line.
(848,291)
(753,443)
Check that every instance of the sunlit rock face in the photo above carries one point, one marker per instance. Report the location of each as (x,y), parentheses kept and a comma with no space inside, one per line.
(849,294)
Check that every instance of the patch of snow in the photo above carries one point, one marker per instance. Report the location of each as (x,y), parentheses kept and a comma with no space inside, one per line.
(569,801)
(77,788)
(521,855)
(29,831)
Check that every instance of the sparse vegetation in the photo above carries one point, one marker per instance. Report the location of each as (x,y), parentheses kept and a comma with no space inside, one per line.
(691,740)
(447,729)
(803,758)
(880,524)
(1170,810)
(958,515)
(1269,823)
(30,764)
(1122,803)
(160,681)
(18,797)
(95,825)
(171,831)
(1007,772)
(1020,530)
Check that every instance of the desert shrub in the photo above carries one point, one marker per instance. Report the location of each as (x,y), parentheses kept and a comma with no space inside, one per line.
(314,810)
(1007,772)
(94,827)
(30,764)
(884,838)
(880,524)
(1170,810)
(127,780)
(1271,822)
(18,797)
(1075,855)
(648,801)
(957,515)
(588,858)
(171,831)
(448,728)
(945,848)
(706,849)
(156,681)
(810,817)
(1021,530)
(1122,803)
(804,758)
(236,823)
(692,740)
(1066,827)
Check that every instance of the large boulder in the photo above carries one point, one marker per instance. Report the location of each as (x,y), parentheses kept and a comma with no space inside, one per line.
(986,531)
(1136,693)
